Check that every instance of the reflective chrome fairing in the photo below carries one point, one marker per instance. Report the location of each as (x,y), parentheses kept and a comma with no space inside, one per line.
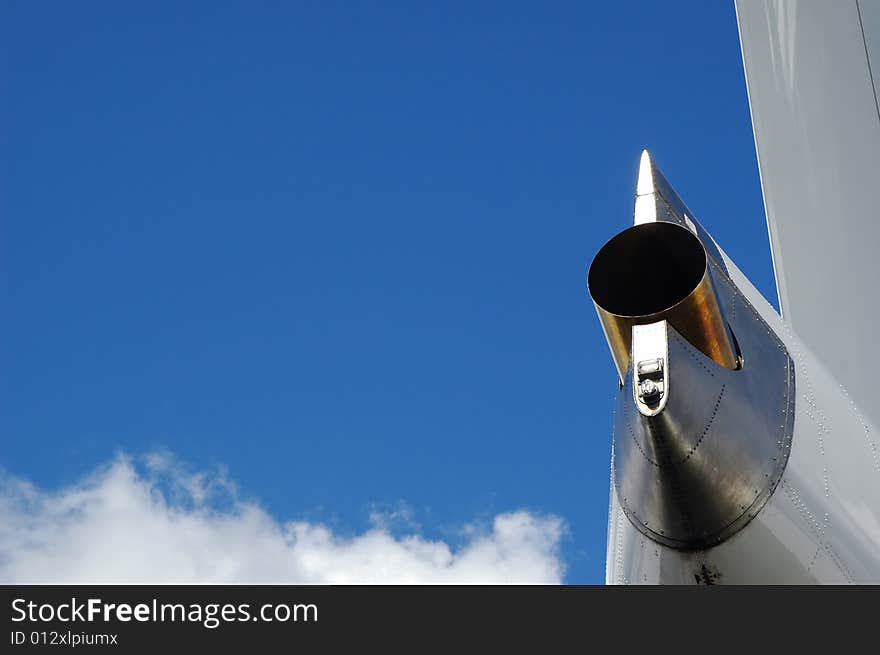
(697,472)
(820,525)
(718,508)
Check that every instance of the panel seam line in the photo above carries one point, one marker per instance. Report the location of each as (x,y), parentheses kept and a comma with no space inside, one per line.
(868,58)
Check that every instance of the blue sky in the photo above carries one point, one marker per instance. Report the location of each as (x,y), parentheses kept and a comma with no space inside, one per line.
(340,248)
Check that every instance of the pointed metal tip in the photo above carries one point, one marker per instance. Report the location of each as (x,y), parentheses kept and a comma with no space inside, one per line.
(646,174)
(645,209)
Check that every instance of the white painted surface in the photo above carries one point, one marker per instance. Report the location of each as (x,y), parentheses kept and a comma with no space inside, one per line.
(809,66)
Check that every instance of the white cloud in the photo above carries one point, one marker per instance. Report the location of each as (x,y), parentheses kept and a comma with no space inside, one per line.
(161,524)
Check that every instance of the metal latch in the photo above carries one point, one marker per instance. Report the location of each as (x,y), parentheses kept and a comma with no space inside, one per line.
(650,358)
(649,378)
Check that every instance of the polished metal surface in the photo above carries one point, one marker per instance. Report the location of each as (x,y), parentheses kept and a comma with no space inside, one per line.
(658,271)
(821,523)
(650,356)
(656,200)
(695,473)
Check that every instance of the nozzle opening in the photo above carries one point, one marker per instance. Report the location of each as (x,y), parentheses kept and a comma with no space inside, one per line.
(646,269)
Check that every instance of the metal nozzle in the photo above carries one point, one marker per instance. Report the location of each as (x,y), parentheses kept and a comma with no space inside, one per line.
(700,441)
(652,272)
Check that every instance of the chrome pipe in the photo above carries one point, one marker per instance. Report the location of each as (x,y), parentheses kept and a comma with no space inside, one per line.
(658,271)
